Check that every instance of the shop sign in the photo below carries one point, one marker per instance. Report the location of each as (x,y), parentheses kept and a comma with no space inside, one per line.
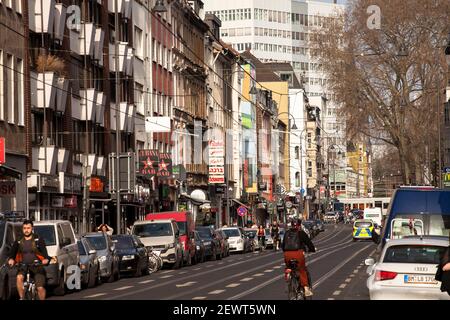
(2,151)
(57,201)
(72,184)
(7,189)
(48,181)
(70,202)
(97,185)
(165,165)
(148,163)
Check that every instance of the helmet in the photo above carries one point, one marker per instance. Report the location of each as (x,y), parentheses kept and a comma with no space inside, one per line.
(296,223)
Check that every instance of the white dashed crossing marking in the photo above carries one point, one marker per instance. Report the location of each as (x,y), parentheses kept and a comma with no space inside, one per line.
(247,279)
(348,280)
(268,270)
(258,274)
(342,286)
(233,285)
(337,292)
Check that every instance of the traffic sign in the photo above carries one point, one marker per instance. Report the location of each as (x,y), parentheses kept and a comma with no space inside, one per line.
(302,191)
(446,170)
(242,211)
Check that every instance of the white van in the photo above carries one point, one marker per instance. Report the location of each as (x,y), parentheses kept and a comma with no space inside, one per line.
(374,214)
(61,243)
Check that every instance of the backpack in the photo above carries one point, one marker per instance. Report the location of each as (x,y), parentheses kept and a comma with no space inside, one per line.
(34,248)
(292,241)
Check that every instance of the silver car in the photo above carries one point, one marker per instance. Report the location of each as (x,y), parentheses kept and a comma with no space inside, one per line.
(89,264)
(106,253)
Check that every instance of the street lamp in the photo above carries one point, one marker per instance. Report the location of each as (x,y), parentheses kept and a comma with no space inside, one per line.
(159,6)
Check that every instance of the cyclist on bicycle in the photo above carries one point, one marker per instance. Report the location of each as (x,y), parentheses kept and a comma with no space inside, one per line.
(261,236)
(294,242)
(26,251)
(275,234)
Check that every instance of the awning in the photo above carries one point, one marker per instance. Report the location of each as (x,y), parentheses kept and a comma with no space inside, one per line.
(240,203)
(6,171)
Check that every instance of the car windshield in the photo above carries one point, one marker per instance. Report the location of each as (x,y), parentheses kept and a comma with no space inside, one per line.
(81,249)
(47,233)
(182,226)
(98,242)
(204,233)
(153,230)
(363,224)
(433,224)
(414,254)
(124,242)
(232,232)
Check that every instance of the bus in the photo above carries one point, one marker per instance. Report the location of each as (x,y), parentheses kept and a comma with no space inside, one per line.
(363,203)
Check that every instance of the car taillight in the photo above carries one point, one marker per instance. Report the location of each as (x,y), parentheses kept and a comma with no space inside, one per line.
(385,275)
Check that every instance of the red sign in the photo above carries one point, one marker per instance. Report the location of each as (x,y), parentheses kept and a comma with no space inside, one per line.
(216,179)
(2,150)
(70,202)
(149,162)
(97,185)
(242,211)
(165,165)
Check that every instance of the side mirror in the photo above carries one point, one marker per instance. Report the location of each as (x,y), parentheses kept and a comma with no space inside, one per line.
(92,251)
(369,262)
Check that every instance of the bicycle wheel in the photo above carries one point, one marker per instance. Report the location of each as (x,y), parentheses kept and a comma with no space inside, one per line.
(293,288)
(152,264)
(160,262)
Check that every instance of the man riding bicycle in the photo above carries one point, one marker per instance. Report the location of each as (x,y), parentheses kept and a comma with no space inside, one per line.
(275,234)
(25,252)
(294,242)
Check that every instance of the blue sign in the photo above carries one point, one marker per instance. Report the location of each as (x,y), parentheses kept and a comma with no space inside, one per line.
(302,191)
(447,170)
(242,211)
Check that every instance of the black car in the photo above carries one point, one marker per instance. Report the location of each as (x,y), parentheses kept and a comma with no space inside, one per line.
(320,225)
(200,249)
(211,242)
(311,226)
(10,231)
(132,253)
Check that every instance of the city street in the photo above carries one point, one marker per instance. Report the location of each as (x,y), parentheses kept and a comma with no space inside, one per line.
(337,271)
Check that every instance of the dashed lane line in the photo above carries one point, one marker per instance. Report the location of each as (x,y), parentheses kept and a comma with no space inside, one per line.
(337,292)
(268,270)
(246,279)
(216,292)
(123,288)
(233,285)
(146,281)
(95,295)
(258,274)
(187,284)
(199,298)
(168,276)
(342,286)
(348,280)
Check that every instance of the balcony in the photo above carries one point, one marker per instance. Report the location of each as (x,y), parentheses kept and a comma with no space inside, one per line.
(100,109)
(101,166)
(123,57)
(76,107)
(63,159)
(88,104)
(123,116)
(92,160)
(39,154)
(112,4)
(60,21)
(39,82)
(99,41)
(77,40)
(61,94)
(37,15)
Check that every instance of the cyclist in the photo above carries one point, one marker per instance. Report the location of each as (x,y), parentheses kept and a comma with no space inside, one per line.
(26,251)
(294,242)
(261,237)
(275,234)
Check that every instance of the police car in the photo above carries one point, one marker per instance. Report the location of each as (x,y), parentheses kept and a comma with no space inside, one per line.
(363,229)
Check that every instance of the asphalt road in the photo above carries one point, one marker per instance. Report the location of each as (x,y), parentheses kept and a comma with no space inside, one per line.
(337,272)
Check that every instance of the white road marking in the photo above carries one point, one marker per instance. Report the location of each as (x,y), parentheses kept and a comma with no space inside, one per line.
(168,271)
(348,280)
(233,285)
(277,267)
(187,284)
(342,286)
(209,265)
(247,279)
(198,298)
(95,295)
(337,292)
(355,271)
(216,292)
(123,288)
(330,299)
(183,272)
(196,269)
(168,276)
(268,270)
(351,276)
(220,263)
(146,281)
(258,274)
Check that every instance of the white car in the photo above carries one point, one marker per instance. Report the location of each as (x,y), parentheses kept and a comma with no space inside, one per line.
(406,270)
(236,239)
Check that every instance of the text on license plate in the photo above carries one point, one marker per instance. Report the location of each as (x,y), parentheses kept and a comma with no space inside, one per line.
(419,279)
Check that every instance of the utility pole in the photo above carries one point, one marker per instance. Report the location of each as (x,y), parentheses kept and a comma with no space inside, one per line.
(438,119)
(116,39)
(44,57)
(85,221)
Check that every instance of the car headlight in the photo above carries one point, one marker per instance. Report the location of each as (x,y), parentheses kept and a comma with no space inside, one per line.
(128,257)
(240,241)
(102,259)
(198,247)
(170,245)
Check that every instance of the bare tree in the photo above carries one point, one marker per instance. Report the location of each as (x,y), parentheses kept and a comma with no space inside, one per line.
(386,79)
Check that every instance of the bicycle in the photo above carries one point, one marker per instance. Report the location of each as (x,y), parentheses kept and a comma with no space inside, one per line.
(295,290)
(261,243)
(29,286)
(155,262)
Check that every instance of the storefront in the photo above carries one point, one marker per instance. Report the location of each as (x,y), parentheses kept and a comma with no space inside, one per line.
(13,184)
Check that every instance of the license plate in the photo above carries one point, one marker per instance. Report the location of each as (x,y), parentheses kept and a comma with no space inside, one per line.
(418,279)
(158,253)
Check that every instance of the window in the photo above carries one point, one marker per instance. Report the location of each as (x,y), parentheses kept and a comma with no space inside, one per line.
(297,152)
(297,179)
(20,93)
(10,87)
(138,42)
(139,98)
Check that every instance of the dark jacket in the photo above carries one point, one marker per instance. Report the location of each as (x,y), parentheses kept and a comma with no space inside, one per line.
(299,239)
(444,276)
(40,249)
